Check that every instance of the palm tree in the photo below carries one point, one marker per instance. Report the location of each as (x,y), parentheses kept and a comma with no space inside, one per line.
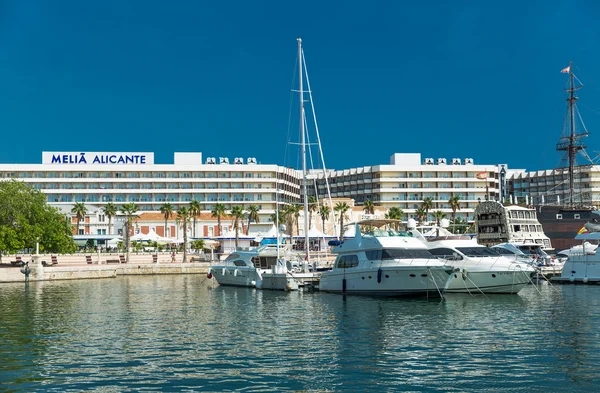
(324,213)
(218,211)
(238,214)
(454,202)
(341,208)
(79,210)
(427,204)
(369,207)
(282,218)
(167,211)
(395,213)
(129,211)
(420,213)
(183,218)
(110,210)
(194,210)
(313,206)
(252,216)
(438,215)
(296,209)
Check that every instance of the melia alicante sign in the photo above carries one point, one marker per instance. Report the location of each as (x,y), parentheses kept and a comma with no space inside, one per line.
(97,158)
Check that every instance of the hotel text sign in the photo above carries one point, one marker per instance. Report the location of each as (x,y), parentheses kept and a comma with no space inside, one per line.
(97,158)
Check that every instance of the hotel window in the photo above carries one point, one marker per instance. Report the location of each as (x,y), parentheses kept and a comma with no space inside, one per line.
(92,198)
(107,198)
(146,197)
(105,175)
(147,175)
(24,175)
(66,186)
(185,174)
(199,197)
(198,185)
(160,186)
(132,175)
(159,197)
(133,198)
(199,174)
(67,175)
(186,197)
(211,174)
(106,186)
(52,174)
(132,186)
(186,185)
(172,198)
(172,175)
(119,197)
(39,175)
(38,186)
(52,198)
(120,186)
(146,186)
(119,175)
(79,186)
(66,198)
(78,174)
(172,186)
(158,174)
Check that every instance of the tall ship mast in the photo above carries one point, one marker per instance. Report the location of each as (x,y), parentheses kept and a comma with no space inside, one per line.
(571,141)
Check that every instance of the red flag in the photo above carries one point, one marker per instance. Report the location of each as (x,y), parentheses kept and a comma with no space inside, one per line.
(481,175)
(566,70)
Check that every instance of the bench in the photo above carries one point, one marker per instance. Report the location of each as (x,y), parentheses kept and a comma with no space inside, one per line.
(88,259)
(155,258)
(18,261)
(54,259)
(112,261)
(122,259)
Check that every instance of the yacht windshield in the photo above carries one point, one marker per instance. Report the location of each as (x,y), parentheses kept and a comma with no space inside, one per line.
(478,251)
(397,253)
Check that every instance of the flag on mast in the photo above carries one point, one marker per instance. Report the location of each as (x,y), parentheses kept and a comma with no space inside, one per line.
(566,70)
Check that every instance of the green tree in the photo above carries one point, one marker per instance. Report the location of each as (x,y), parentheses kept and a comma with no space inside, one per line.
(80,211)
(129,210)
(183,218)
(313,206)
(420,214)
(341,208)
(198,244)
(454,203)
(324,213)
(438,215)
(252,213)
(195,210)
(369,207)
(110,210)
(238,215)
(26,218)
(217,212)
(427,205)
(167,211)
(395,213)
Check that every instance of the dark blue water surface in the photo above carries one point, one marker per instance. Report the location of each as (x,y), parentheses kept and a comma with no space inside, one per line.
(181,333)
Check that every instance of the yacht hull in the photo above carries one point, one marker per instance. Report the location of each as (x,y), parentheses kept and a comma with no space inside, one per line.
(239,277)
(387,281)
(580,269)
(278,282)
(508,282)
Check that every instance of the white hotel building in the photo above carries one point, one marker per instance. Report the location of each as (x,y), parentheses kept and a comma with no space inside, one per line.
(98,178)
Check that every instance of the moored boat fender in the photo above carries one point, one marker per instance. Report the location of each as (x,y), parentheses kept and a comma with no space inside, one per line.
(379,274)
(224,271)
(236,273)
(464,274)
(209,273)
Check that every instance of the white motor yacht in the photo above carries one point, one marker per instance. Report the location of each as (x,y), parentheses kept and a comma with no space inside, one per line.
(384,261)
(249,268)
(583,262)
(478,268)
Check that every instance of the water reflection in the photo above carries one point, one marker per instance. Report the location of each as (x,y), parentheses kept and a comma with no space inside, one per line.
(180,333)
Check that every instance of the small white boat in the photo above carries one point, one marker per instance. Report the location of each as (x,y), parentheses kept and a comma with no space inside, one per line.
(384,261)
(583,262)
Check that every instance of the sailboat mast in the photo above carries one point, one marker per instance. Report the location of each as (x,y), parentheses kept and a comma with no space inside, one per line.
(302,131)
(572,147)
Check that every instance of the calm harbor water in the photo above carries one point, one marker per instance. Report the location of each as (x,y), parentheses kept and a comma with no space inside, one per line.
(179,333)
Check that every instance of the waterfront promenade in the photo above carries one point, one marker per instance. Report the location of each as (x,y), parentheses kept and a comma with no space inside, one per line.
(99,265)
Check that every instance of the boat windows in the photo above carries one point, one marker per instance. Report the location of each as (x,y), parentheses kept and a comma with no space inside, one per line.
(446,253)
(398,253)
(477,251)
(346,261)
(239,262)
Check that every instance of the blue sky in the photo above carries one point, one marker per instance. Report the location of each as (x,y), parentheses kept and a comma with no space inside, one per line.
(443,78)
